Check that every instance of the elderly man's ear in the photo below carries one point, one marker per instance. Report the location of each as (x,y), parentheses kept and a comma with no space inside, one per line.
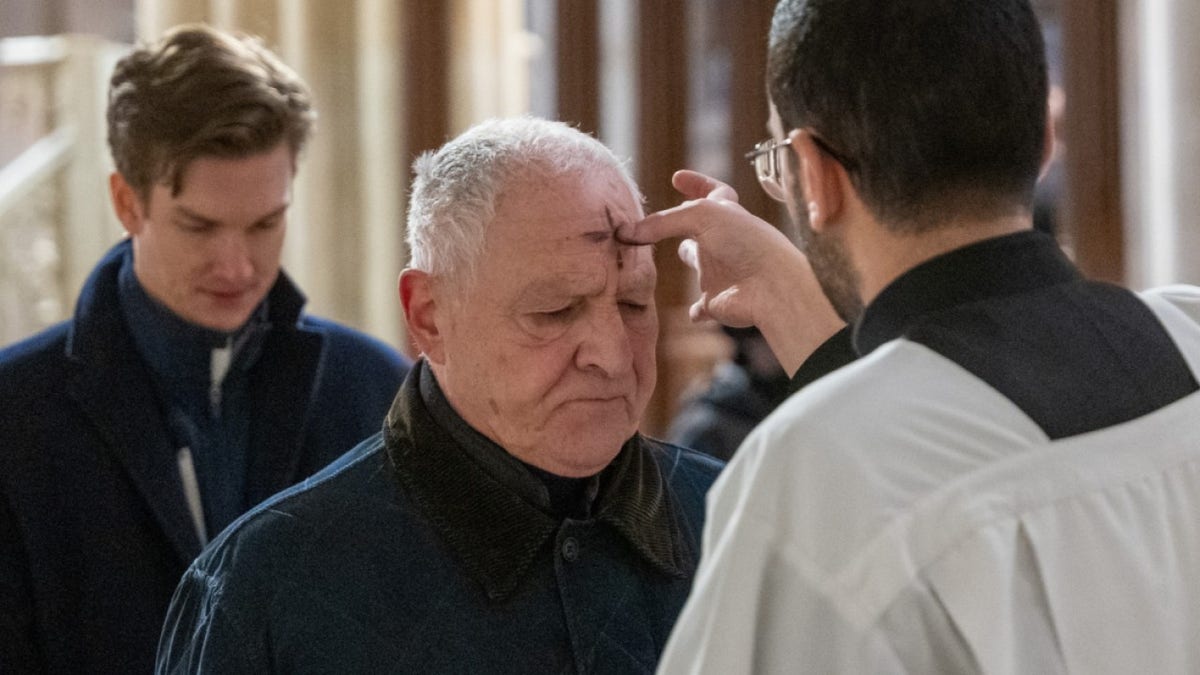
(422,313)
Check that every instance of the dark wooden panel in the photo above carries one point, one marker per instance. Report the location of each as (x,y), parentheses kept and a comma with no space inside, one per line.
(746,25)
(661,150)
(1092,212)
(578,64)
(662,119)
(426,86)
(426,75)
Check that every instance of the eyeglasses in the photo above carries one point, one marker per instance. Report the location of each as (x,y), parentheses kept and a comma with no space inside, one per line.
(765,158)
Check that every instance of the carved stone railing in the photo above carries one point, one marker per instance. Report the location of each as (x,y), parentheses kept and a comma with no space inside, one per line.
(54,215)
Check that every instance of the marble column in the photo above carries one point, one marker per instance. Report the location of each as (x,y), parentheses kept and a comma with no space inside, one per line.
(1161,140)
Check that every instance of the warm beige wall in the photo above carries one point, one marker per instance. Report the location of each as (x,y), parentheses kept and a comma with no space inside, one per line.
(490,69)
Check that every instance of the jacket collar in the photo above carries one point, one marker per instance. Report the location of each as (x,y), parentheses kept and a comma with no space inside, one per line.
(1006,265)
(494,514)
(178,351)
(98,313)
(115,389)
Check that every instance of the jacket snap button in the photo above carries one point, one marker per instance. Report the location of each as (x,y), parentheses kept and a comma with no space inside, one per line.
(570,549)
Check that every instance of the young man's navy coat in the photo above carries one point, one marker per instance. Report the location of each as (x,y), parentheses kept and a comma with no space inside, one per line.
(95,530)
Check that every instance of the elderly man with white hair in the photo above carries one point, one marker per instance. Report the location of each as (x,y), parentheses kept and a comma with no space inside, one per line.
(509,517)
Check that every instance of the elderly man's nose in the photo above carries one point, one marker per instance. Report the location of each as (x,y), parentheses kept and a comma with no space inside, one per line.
(604,343)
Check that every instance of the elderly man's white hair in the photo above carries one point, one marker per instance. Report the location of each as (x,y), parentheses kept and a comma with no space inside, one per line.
(455,188)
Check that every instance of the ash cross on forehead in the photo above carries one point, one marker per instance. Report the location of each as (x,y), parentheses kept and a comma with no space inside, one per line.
(613,226)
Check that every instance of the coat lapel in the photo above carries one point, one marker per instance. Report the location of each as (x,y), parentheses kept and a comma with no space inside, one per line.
(115,390)
(282,384)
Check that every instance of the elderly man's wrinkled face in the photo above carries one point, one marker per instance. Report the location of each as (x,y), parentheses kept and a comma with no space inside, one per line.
(550,352)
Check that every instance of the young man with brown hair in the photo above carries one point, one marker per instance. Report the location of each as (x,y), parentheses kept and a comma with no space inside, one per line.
(188,386)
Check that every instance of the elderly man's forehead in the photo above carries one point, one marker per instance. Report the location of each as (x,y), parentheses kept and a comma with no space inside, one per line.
(601,230)
(597,225)
(577,209)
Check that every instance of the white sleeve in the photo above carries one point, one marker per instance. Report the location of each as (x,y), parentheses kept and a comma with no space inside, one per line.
(757,605)
(817,541)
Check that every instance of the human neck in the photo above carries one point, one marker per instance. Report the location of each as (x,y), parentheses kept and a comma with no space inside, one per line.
(884,254)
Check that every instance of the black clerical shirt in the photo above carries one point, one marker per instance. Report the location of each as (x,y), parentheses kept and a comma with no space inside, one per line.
(1075,355)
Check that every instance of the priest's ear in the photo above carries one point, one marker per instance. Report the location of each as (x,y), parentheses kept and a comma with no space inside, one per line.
(823,180)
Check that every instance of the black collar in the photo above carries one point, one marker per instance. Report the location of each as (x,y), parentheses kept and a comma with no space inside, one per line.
(1007,265)
(493,513)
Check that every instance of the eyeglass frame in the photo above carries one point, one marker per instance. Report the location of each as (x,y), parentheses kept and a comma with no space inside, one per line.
(769,178)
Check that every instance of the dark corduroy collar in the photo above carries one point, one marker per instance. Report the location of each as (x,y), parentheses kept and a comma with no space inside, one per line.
(494,514)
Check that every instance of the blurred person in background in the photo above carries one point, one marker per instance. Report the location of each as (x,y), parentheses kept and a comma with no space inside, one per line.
(744,389)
